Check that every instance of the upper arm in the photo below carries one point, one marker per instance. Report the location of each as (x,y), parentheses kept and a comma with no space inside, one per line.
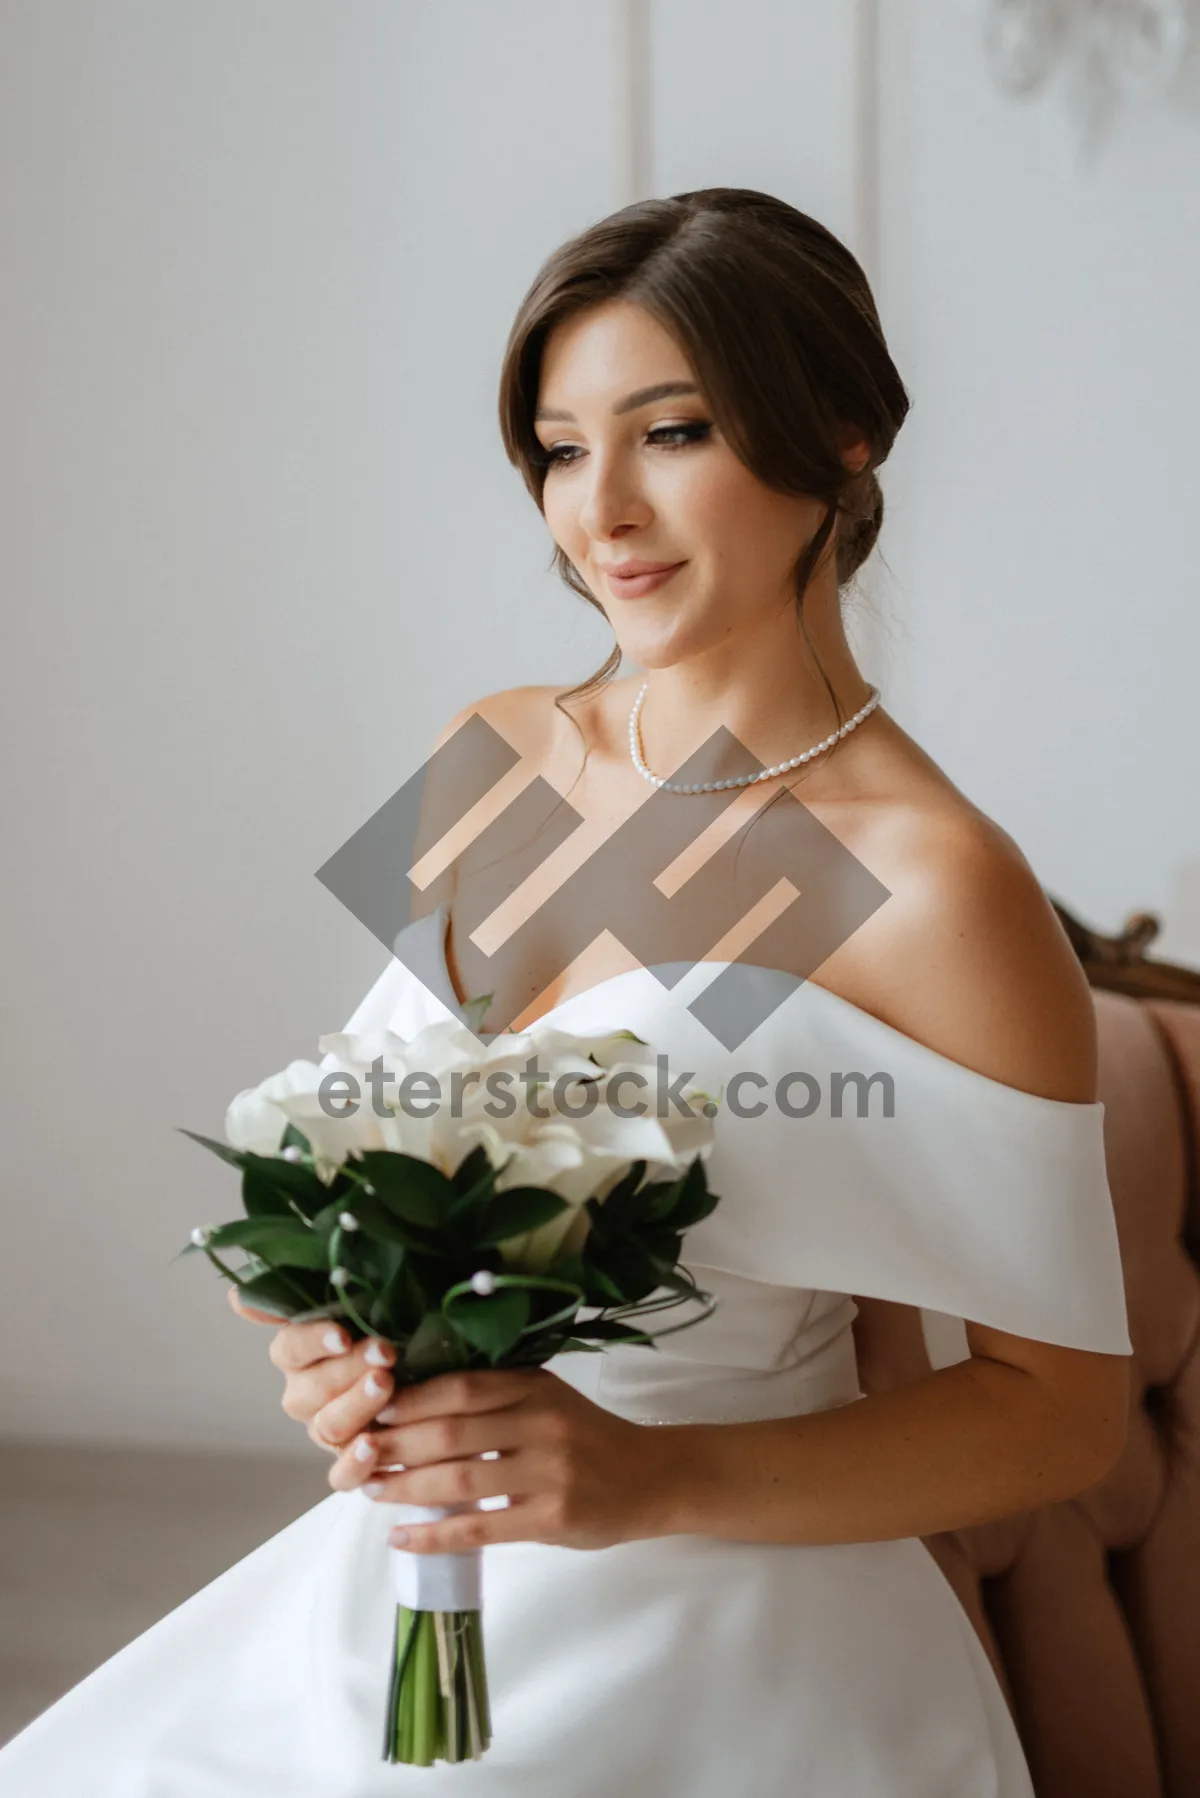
(980,969)
(987,977)
(517,714)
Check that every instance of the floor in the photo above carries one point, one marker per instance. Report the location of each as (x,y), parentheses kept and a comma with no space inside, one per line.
(96,1544)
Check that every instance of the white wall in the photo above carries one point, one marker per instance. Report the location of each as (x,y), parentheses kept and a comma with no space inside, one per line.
(1043,524)
(260,539)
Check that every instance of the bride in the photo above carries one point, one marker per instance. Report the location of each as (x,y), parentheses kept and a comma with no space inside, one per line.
(698,394)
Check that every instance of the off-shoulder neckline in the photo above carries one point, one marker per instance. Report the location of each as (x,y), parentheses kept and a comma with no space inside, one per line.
(438,920)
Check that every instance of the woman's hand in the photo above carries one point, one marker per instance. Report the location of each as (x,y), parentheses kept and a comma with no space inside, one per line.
(331,1386)
(575,1474)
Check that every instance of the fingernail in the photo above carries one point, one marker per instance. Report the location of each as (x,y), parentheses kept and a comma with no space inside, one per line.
(373,1488)
(364,1449)
(372,1387)
(335,1342)
(397,1537)
(380,1354)
(389,1414)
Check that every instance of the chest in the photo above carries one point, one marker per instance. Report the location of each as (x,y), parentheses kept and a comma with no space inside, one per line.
(566,885)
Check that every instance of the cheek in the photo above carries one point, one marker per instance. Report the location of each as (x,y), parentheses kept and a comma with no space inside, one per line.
(717,504)
(558,515)
(700,499)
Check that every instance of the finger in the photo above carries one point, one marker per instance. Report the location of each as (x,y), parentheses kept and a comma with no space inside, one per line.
(300,1345)
(474,1529)
(491,1434)
(482,1389)
(309,1389)
(449,1438)
(344,1416)
(246,1311)
(318,1441)
(458,1482)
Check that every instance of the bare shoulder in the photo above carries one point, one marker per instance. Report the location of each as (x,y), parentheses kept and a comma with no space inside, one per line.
(969,956)
(526,716)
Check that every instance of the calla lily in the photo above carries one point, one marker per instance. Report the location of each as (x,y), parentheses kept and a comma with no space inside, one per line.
(578,1147)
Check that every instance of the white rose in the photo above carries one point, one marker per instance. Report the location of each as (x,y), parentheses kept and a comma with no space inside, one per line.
(255,1119)
(574,1153)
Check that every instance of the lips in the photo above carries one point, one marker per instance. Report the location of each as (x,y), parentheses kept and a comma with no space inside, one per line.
(631,579)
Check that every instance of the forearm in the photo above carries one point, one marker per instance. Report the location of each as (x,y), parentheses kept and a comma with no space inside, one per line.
(972,1442)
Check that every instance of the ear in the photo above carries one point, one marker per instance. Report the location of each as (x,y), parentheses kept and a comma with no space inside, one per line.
(855,450)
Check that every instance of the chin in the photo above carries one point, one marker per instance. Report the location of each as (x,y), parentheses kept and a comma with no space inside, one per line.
(660,651)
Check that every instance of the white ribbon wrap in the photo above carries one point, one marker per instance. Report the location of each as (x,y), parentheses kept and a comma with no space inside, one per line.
(425,1582)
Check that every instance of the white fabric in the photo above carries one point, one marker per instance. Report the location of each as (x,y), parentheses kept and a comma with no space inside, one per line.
(684,1666)
(448,1582)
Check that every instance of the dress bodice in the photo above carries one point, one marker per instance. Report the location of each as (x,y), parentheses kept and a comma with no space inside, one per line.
(766,1351)
(941,1188)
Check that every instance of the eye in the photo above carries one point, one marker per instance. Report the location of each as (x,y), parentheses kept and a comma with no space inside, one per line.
(695,431)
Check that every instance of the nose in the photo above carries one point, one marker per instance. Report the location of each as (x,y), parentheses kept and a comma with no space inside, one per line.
(613,498)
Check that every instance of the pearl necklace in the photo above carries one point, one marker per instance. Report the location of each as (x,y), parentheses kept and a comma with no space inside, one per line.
(741,780)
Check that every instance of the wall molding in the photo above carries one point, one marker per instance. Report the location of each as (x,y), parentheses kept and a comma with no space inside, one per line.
(635,102)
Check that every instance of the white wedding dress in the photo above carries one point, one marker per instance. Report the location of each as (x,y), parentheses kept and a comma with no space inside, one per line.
(686,1666)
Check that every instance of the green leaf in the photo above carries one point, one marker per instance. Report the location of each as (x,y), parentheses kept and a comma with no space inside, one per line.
(605,1329)
(373,1216)
(473,1181)
(634,1272)
(492,1324)
(413,1190)
(290,1181)
(599,1288)
(235,1157)
(262,1198)
(676,1282)
(472,1169)
(399,1305)
(695,1201)
(434,1347)
(373,1263)
(278,1242)
(519,1209)
(622,1206)
(658,1199)
(274,1188)
(295,1139)
(334,1309)
(271,1292)
(663,1244)
(583,1273)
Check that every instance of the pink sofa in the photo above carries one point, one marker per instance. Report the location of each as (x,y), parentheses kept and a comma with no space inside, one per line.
(1090,1610)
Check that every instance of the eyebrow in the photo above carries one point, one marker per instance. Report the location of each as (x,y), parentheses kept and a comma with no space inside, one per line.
(644,396)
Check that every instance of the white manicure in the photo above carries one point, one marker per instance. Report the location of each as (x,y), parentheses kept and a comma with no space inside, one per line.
(377,1356)
(372,1388)
(364,1450)
(333,1342)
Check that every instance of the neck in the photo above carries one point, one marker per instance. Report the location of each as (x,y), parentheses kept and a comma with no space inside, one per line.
(767,691)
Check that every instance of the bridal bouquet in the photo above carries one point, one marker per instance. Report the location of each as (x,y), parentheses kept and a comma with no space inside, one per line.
(498,1230)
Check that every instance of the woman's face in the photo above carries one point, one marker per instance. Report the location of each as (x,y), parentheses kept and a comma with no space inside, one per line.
(635,478)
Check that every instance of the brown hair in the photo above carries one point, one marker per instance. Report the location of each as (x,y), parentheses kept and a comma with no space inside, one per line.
(777,320)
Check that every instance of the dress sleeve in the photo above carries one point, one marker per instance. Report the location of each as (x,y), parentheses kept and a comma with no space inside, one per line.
(948,1190)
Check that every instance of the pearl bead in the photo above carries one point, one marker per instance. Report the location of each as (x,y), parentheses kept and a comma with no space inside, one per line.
(742,780)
